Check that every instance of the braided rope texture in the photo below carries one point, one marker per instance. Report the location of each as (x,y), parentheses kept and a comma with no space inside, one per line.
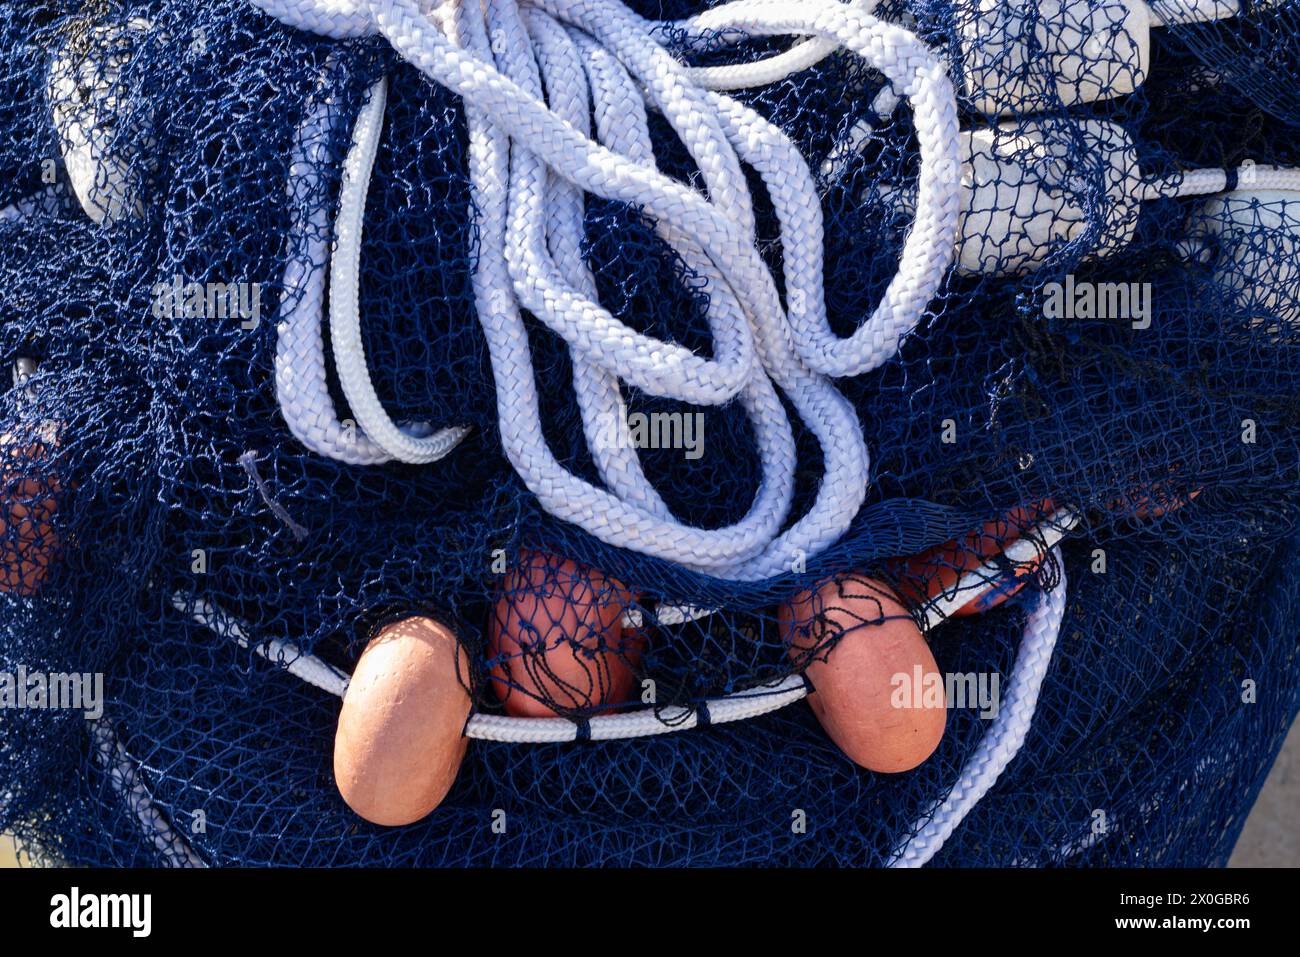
(145,452)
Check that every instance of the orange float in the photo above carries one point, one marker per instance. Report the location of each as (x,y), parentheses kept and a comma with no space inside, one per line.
(29,502)
(936,571)
(400,738)
(557,636)
(860,649)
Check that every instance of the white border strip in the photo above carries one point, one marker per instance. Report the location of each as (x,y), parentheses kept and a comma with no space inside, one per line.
(130,786)
(278,651)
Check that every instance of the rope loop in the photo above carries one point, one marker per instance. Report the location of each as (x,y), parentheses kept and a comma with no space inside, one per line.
(534,75)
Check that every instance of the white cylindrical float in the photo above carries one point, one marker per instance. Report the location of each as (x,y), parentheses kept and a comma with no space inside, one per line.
(1252,239)
(1024,193)
(1027,57)
(86,102)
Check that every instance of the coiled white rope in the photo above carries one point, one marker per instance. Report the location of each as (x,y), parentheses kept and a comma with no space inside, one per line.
(530,161)
(1025,551)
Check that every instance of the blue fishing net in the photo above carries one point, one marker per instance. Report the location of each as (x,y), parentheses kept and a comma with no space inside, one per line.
(148,470)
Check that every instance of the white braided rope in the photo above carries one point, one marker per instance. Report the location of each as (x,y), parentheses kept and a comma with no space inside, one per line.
(1025,552)
(286,654)
(340,19)
(524,156)
(300,376)
(1003,741)
(345,320)
(300,380)
(645,722)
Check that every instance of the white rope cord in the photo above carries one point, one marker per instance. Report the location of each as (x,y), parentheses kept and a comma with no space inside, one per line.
(713,29)
(300,381)
(489,154)
(340,19)
(1003,740)
(560,206)
(540,286)
(520,150)
(1202,182)
(289,656)
(666,616)
(345,281)
(127,781)
(599,397)
(300,377)
(645,722)
(1024,552)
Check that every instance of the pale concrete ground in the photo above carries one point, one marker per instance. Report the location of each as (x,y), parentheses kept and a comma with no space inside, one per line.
(1271,837)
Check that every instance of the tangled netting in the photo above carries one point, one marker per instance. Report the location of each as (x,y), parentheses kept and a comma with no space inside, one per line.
(1118,335)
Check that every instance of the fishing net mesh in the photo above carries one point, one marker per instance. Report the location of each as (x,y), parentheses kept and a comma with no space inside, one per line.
(145,463)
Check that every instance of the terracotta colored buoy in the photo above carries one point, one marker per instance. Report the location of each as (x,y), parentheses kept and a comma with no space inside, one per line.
(400,738)
(557,635)
(29,501)
(875,689)
(1157,499)
(937,570)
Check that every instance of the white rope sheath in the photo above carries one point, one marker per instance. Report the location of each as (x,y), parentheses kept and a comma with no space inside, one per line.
(1025,552)
(530,163)
(1031,548)
(300,380)
(289,656)
(1003,741)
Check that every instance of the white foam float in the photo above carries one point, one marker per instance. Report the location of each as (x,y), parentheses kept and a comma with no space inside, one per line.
(1030,57)
(1022,196)
(87,105)
(1265,277)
